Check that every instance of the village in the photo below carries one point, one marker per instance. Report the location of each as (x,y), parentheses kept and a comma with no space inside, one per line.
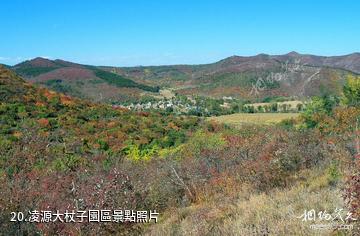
(205,106)
(181,104)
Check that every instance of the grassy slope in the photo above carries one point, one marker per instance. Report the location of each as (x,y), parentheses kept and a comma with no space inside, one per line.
(277,212)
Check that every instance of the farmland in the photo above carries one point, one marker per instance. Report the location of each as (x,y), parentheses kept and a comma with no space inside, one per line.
(253,118)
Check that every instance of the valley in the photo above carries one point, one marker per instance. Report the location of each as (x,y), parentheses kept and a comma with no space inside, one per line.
(204,162)
(179,118)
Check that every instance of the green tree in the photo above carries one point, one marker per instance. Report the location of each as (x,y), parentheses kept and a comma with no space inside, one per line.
(330,102)
(299,106)
(274,107)
(351,91)
(318,106)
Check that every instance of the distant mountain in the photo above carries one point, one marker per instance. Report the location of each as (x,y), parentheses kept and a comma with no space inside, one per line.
(80,80)
(259,76)
(253,77)
(349,62)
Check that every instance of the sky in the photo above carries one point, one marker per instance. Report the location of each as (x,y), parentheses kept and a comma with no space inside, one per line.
(133,32)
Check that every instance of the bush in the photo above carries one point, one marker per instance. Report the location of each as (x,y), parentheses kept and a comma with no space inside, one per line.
(351,92)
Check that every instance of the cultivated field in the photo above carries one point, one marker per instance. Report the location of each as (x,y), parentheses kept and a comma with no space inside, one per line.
(291,104)
(254,118)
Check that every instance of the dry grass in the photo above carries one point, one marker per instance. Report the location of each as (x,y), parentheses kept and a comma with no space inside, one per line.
(166,93)
(275,213)
(163,93)
(253,118)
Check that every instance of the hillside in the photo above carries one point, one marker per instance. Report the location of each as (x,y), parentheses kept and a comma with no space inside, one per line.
(253,78)
(81,81)
(22,104)
(59,139)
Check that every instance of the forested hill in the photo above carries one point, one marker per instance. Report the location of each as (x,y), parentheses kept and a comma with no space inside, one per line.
(83,81)
(252,77)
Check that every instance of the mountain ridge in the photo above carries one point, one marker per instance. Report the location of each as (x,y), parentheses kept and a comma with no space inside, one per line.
(275,56)
(233,76)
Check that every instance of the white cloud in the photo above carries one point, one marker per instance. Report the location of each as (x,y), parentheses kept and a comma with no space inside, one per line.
(11,60)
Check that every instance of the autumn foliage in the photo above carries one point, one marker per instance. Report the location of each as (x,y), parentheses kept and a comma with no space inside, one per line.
(61,153)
